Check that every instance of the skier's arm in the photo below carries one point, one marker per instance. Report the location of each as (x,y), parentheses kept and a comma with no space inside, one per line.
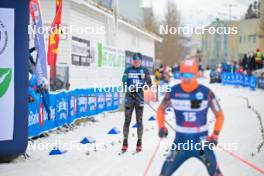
(217,110)
(125,77)
(161,111)
(148,78)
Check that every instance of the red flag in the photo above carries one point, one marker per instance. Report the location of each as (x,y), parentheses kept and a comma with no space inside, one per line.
(54,37)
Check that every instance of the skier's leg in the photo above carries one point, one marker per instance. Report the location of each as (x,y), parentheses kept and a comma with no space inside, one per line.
(207,156)
(139,118)
(175,159)
(129,107)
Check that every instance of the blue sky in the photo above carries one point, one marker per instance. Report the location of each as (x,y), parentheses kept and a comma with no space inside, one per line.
(197,12)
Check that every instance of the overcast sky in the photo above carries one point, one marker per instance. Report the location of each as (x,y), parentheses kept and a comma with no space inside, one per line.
(197,12)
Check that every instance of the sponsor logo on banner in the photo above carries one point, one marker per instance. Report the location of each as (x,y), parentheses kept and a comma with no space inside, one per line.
(199,95)
(3,37)
(7,102)
(41,115)
(5,79)
(52,113)
(33,118)
(182,95)
(62,109)
(74,104)
(82,103)
(5,73)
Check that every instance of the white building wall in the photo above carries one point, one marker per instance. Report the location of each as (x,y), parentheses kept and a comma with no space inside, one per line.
(147,46)
(83,76)
(79,15)
(129,39)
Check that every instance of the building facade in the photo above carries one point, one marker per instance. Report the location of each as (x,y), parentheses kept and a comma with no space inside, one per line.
(215,46)
(248,36)
(261,25)
(219,48)
(95,42)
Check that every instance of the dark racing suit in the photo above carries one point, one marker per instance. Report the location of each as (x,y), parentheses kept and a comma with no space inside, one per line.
(134,79)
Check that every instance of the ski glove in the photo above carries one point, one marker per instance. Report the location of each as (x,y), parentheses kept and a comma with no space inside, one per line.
(213,139)
(163,132)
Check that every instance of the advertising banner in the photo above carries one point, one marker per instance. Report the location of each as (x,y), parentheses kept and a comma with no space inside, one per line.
(14,53)
(239,80)
(7,69)
(110,57)
(147,61)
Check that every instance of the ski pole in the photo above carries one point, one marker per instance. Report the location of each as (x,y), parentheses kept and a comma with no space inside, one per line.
(231,154)
(151,107)
(238,158)
(165,120)
(152,158)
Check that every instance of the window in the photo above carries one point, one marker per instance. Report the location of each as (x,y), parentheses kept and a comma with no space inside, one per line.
(249,38)
(81,52)
(254,38)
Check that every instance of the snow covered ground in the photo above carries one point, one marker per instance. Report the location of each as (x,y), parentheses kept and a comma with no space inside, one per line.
(242,127)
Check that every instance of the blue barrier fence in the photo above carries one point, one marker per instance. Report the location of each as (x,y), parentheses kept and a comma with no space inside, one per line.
(66,107)
(239,80)
(261,82)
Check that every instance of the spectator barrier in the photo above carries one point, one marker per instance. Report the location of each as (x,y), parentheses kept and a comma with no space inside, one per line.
(261,82)
(239,80)
(66,107)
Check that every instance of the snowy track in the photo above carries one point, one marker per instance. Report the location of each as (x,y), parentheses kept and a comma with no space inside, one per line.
(242,126)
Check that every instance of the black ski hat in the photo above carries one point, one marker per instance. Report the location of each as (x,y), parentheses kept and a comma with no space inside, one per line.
(137,56)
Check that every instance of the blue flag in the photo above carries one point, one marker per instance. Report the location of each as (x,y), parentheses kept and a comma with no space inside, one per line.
(41,62)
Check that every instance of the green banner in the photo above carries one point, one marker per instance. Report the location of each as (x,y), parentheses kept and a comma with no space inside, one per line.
(110,57)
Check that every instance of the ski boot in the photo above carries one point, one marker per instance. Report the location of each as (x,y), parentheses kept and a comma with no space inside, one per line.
(125,145)
(139,145)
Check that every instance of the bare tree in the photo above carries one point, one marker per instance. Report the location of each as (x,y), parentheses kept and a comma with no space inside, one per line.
(170,50)
(149,20)
(151,25)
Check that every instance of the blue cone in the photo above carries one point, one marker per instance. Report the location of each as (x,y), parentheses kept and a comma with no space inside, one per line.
(135,126)
(87,140)
(169,109)
(152,118)
(114,131)
(56,151)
